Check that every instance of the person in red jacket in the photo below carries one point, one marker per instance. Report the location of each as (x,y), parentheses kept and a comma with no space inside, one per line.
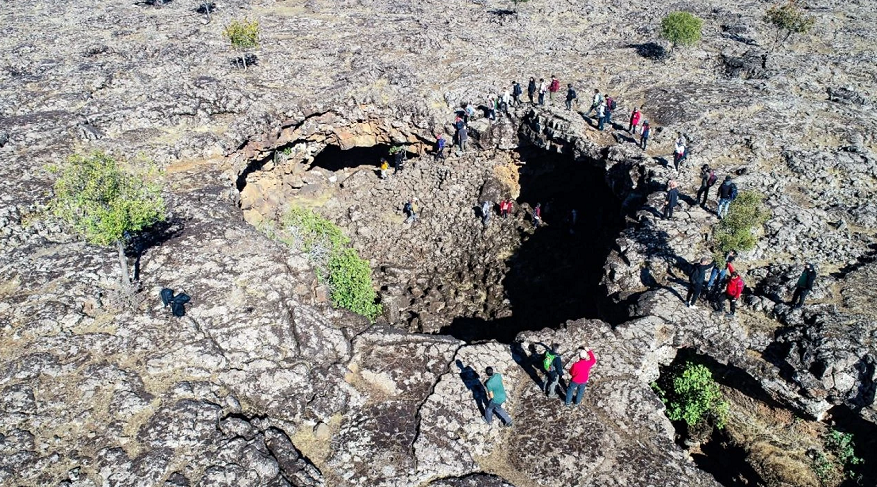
(579,373)
(732,293)
(634,120)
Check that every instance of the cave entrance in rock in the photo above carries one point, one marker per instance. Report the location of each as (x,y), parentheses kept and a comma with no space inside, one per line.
(334,158)
(555,274)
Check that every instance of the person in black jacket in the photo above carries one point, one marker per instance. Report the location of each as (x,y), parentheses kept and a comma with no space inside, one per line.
(672,198)
(697,279)
(707,180)
(804,285)
(531,89)
(516,93)
(554,370)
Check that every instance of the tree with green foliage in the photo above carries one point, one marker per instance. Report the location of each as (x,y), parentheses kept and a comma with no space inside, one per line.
(337,264)
(788,18)
(691,395)
(681,28)
(104,203)
(243,36)
(740,227)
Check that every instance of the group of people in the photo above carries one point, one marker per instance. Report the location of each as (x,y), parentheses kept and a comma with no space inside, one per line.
(552,366)
(726,285)
(725,195)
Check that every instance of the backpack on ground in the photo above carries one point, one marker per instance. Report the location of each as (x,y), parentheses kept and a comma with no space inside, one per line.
(548,361)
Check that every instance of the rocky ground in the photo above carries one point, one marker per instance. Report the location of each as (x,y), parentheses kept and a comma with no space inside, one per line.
(263,383)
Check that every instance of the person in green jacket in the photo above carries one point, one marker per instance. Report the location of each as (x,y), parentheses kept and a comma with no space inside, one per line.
(496,396)
(804,285)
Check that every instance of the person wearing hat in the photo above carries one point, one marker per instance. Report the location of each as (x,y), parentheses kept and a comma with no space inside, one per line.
(804,285)
(579,375)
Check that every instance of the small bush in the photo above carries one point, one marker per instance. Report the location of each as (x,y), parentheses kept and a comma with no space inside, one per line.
(691,395)
(346,273)
(739,229)
(842,446)
(788,18)
(681,28)
(243,35)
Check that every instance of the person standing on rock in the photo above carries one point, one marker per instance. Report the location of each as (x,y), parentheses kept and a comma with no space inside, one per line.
(707,180)
(717,277)
(672,198)
(537,215)
(553,366)
(697,280)
(531,89)
(496,397)
(644,136)
(462,137)
(553,88)
(384,166)
(410,209)
(678,152)
(570,96)
(595,102)
(601,115)
(516,93)
(505,101)
(732,293)
(486,210)
(440,146)
(543,88)
(579,375)
(804,285)
(634,121)
(727,194)
(610,107)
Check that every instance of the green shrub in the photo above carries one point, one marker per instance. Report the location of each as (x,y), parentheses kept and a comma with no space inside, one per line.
(339,266)
(681,28)
(842,446)
(788,18)
(243,35)
(691,395)
(103,203)
(739,229)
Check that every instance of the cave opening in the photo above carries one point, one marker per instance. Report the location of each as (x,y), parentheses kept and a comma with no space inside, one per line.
(555,274)
(334,158)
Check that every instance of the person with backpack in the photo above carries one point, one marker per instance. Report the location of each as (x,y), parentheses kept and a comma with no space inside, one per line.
(717,277)
(579,374)
(804,285)
(410,209)
(516,93)
(707,180)
(595,102)
(496,398)
(672,199)
(439,147)
(553,88)
(531,89)
(732,293)
(601,115)
(697,280)
(570,96)
(727,194)
(610,107)
(634,121)
(553,367)
(678,152)
(543,88)
(644,136)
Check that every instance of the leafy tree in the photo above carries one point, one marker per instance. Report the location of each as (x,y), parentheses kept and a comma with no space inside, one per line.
(739,229)
(691,395)
(243,35)
(104,203)
(788,18)
(681,28)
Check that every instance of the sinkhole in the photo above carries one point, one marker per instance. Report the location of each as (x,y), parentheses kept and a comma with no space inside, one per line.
(449,273)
